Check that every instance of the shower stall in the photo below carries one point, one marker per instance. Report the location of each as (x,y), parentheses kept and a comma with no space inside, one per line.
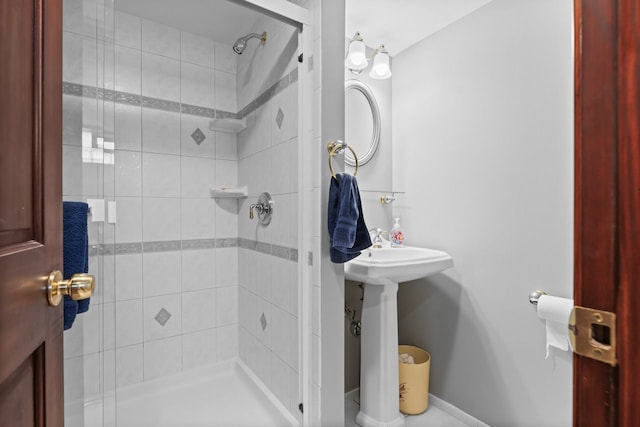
(171,132)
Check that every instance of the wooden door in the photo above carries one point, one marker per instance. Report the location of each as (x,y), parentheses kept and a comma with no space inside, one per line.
(607,208)
(31,377)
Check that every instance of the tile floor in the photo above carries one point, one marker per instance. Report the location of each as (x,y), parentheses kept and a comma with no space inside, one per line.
(432,417)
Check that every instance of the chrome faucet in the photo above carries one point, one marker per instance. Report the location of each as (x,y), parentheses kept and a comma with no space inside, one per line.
(377,238)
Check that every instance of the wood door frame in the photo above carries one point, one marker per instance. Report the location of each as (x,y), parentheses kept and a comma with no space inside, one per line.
(607,202)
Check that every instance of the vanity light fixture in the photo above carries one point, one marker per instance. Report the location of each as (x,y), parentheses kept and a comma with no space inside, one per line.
(357,60)
(380,69)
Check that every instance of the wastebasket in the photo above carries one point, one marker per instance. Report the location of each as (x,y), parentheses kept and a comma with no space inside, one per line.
(414,380)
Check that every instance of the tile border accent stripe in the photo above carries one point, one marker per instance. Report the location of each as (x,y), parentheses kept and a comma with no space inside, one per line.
(143,101)
(278,251)
(177,107)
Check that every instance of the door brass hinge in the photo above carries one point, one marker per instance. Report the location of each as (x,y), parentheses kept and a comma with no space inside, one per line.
(593,334)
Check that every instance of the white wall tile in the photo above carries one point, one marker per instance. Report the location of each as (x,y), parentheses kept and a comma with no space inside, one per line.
(199,349)
(226,270)
(189,124)
(227,305)
(198,310)
(109,326)
(128,127)
(280,222)
(79,59)
(80,17)
(73,379)
(129,365)
(198,271)
(197,85)
(280,333)
(263,307)
(160,77)
(280,380)
(226,218)
(226,146)
(128,30)
(198,219)
(292,358)
(287,101)
(160,131)
(92,370)
(129,225)
(162,357)
(128,322)
(71,120)
(128,173)
(280,283)
(225,58)
(227,337)
(225,91)
(106,292)
(294,164)
(160,175)
(160,39)
(160,219)
(280,169)
(197,49)
(128,70)
(197,177)
(78,178)
(226,172)
(73,342)
(128,276)
(293,287)
(153,330)
(108,372)
(161,273)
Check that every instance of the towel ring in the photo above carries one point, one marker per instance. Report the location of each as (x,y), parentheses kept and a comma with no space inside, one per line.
(336,147)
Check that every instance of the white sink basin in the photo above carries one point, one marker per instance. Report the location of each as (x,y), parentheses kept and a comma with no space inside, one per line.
(379,265)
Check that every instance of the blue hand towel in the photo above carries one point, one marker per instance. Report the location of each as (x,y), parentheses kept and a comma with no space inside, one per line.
(75,253)
(347,230)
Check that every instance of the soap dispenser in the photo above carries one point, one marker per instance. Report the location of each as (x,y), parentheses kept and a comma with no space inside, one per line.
(396,235)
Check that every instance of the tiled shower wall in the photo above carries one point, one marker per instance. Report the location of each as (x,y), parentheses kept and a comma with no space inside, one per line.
(268,255)
(136,131)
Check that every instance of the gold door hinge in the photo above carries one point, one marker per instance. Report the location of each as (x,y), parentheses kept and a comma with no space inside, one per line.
(593,334)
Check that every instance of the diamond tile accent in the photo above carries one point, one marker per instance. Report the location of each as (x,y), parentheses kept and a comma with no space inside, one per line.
(263,321)
(279,118)
(163,316)
(198,136)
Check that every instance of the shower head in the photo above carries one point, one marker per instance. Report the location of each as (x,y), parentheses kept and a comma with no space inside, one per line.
(240,44)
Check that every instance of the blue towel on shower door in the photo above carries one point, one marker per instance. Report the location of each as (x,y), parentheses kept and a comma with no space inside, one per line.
(75,253)
(347,230)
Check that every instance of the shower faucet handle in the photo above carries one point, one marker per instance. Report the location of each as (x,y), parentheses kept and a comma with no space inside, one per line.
(264,208)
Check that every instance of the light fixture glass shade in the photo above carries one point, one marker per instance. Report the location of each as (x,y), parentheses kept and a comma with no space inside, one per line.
(380,68)
(356,57)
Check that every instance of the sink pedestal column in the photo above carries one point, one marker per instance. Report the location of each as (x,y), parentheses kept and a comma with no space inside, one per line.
(379,391)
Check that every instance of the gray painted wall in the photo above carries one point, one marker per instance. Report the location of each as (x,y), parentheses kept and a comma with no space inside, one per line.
(374,180)
(483,145)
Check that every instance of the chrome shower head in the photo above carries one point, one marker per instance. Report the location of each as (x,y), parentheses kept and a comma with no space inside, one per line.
(240,45)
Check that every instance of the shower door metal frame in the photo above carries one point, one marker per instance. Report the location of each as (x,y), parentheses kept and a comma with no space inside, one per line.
(300,18)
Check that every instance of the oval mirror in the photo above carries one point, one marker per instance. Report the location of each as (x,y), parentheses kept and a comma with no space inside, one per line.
(361,108)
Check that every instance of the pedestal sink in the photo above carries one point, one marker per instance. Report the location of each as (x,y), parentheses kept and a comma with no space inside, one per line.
(382,269)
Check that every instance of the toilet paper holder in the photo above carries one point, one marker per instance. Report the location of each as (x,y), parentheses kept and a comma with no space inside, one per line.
(534,296)
(592,332)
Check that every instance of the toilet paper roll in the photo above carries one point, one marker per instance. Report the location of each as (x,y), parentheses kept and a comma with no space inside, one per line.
(556,312)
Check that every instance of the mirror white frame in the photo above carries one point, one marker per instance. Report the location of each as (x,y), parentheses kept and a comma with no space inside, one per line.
(364,158)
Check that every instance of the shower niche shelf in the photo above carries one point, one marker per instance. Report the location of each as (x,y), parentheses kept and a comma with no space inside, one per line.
(228,125)
(229,192)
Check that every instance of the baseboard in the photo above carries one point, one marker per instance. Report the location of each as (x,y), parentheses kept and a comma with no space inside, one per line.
(455,412)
